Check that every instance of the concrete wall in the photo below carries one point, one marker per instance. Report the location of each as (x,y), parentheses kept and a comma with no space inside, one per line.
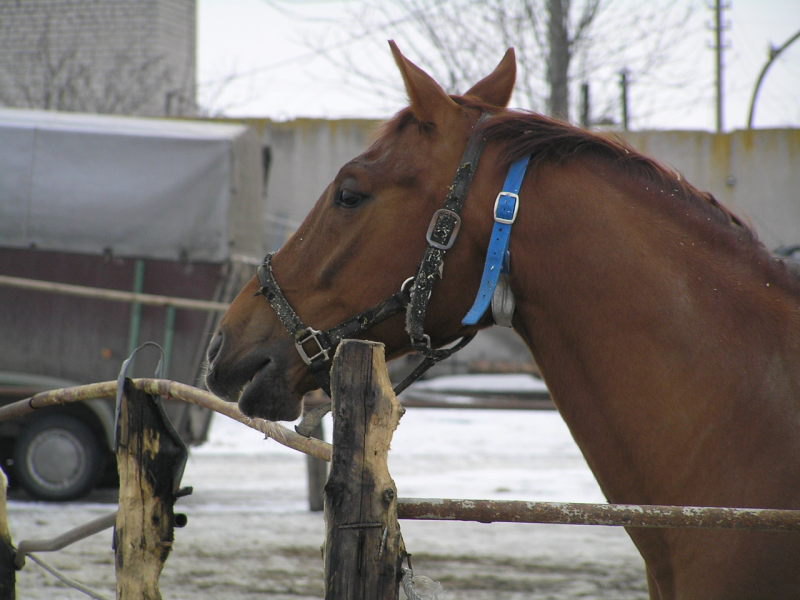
(755,173)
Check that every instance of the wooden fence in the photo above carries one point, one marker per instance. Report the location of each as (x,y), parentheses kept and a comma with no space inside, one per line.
(364,551)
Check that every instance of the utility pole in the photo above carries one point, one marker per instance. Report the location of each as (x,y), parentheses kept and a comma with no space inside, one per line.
(586,109)
(719,47)
(623,89)
(558,58)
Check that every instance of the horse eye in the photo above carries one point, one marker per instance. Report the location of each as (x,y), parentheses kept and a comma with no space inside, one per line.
(348,198)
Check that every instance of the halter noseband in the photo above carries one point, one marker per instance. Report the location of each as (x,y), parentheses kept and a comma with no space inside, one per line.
(316,347)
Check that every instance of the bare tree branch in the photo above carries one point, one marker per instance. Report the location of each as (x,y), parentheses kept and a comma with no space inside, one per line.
(559,43)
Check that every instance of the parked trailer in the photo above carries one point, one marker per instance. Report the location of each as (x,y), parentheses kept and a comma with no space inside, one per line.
(147,206)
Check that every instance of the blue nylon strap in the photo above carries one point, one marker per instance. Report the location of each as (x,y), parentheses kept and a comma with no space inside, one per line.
(505,212)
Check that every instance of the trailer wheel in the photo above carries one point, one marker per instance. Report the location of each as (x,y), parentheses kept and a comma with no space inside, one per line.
(57,457)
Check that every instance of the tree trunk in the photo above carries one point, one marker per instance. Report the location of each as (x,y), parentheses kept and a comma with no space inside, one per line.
(8,573)
(558,58)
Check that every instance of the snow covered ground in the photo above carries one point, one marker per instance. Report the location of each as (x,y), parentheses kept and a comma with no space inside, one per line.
(250,534)
(491,383)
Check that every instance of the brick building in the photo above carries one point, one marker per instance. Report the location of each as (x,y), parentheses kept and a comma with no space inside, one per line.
(132,57)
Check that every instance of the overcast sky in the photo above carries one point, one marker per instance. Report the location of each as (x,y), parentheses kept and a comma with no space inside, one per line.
(256,58)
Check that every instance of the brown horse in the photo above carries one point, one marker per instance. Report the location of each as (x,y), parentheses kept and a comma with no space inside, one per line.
(668,336)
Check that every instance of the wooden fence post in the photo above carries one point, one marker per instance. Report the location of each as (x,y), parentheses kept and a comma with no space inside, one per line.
(8,573)
(150,459)
(364,547)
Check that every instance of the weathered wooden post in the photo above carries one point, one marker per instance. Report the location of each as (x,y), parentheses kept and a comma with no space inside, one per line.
(150,459)
(364,547)
(8,574)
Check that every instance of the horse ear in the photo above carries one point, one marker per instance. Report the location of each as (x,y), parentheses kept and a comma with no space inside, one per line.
(496,87)
(429,102)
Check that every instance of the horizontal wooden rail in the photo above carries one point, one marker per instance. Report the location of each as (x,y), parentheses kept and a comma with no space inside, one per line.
(619,515)
(108,294)
(442,509)
(179,391)
(58,542)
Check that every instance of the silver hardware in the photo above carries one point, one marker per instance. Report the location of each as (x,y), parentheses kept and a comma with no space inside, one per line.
(423,343)
(407,284)
(513,218)
(307,335)
(451,239)
(503,302)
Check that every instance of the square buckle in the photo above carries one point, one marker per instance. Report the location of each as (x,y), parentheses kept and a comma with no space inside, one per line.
(307,335)
(433,228)
(505,206)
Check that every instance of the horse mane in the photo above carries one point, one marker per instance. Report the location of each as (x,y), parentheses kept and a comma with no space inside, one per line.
(550,140)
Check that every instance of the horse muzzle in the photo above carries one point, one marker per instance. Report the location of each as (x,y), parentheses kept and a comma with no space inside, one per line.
(256,379)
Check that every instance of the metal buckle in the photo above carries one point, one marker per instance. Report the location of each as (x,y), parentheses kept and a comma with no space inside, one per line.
(306,335)
(505,220)
(422,344)
(451,237)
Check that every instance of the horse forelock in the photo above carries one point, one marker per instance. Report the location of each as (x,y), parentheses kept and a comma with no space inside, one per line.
(397,124)
(406,118)
(395,144)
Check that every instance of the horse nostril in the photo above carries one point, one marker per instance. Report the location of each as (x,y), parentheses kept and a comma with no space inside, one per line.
(214,347)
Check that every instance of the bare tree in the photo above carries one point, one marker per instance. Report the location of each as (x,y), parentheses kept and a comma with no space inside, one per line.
(559,44)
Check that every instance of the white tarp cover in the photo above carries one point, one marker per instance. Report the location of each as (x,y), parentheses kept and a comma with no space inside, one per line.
(147,188)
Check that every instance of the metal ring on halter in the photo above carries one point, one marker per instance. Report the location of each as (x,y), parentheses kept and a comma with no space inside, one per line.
(407,285)
(422,344)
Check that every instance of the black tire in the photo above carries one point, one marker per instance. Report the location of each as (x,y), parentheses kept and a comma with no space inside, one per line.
(57,457)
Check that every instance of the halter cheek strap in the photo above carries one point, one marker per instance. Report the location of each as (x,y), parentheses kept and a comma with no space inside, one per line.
(442,233)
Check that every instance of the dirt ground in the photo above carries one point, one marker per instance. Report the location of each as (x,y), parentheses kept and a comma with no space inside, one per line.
(249,535)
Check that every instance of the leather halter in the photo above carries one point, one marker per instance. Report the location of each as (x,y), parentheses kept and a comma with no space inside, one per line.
(316,347)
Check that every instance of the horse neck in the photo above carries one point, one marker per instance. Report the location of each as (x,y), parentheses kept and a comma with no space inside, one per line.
(660,355)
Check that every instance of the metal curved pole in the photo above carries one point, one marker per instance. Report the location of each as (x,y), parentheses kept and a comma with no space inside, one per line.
(773,55)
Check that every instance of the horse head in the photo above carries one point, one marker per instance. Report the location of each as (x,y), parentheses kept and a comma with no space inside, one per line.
(366,236)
